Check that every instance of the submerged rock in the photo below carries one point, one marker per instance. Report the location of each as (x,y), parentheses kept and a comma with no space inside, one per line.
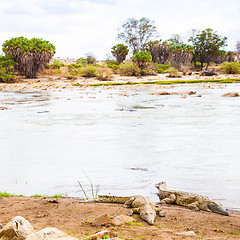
(230,94)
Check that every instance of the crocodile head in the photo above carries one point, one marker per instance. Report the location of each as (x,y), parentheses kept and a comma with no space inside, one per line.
(161,186)
(217,208)
(148,216)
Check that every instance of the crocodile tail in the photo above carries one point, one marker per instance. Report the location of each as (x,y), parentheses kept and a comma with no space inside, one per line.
(218,209)
(111,199)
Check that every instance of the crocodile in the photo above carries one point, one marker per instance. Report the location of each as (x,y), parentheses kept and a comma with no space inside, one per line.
(145,206)
(193,201)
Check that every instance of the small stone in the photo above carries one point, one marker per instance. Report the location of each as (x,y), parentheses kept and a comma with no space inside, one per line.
(101,220)
(100,235)
(187,234)
(121,219)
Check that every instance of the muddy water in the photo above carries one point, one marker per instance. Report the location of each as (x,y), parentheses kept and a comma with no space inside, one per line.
(125,141)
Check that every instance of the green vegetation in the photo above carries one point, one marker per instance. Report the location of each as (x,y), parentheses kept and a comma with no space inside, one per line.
(57,64)
(120,51)
(142,59)
(173,72)
(230,67)
(6,194)
(162,68)
(30,54)
(7,69)
(129,69)
(207,46)
(88,71)
(165,82)
(94,192)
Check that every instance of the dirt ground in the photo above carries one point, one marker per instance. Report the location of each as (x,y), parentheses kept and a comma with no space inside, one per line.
(45,82)
(74,218)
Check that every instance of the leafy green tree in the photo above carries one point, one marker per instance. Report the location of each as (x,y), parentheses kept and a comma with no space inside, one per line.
(30,54)
(7,69)
(142,59)
(120,51)
(207,45)
(137,33)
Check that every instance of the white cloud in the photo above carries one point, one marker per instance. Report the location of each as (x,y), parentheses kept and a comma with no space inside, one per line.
(80,26)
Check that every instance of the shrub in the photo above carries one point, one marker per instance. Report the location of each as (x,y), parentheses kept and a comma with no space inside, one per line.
(88,71)
(82,61)
(7,69)
(230,67)
(161,68)
(142,59)
(57,64)
(74,65)
(113,65)
(120,51)
(30,54)
(173,72)
(129,69)
(104,73)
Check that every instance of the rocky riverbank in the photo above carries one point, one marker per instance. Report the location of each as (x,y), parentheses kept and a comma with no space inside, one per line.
(77,219)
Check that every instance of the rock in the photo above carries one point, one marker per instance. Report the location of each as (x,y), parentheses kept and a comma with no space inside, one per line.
(121,219)
(50,234)
(100,235)
(17,229)
(101,220)
(187,234)
(208,72)
(3,108)
(161,93)
(230,94)
(187,92)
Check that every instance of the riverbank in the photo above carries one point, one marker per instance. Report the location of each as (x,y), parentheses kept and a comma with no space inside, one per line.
(45,82)
(75,218)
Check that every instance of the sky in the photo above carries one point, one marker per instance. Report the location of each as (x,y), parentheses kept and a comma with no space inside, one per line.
(80,27)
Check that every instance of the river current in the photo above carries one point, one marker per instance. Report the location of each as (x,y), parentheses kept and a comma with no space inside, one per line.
(125,140)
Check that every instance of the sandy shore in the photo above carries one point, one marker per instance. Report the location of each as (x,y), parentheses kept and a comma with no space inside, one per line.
(74,218)
(46,82)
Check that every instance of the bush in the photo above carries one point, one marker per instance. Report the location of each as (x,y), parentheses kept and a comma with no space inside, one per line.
(88,71)
(104,73)
(142,59)
(82,61)
(57,64)
(161,68)
(7,69)
(173,72)
(74,65)
(230,67)
(30,54)
(129,69)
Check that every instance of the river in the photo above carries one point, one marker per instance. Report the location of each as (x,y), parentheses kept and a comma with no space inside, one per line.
(125,140)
